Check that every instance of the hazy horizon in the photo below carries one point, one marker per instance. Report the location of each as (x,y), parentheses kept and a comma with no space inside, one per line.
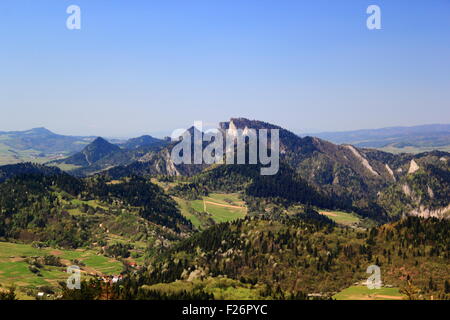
(146,67)
(165,133)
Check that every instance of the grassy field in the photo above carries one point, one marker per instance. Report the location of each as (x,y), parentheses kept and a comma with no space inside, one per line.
(188,212)
(165,185)
(78,203)
(363,293)
(64,166)
(341,217)
(226,198)
(219,207)
(218,212)
(14,269)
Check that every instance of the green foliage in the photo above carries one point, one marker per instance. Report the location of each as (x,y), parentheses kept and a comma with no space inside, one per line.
(284,187)
(118,250)
(89,290)
(33,207)
(308,253)
(189,191)
(154,205)
(8,295)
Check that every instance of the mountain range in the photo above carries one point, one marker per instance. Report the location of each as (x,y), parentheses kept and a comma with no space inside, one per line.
(40,145)
(395,139)
(226,231)
(100,155)
(374,183)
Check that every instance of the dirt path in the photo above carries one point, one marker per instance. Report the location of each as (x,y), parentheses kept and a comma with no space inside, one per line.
(388,297)
(224,205)
(374,297)
(56,252)
(326,213)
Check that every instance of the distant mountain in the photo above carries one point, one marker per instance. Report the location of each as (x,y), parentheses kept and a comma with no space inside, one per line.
(96,150)
(90,156)
(143,141)
(37,145)
(157,161)
(425,137)
(101,155)
(43,140)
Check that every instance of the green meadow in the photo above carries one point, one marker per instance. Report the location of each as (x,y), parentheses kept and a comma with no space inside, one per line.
(14,268)
(219,207)
(341,217)
(361,292)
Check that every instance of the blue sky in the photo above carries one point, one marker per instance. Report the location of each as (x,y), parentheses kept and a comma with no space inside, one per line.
(140,67)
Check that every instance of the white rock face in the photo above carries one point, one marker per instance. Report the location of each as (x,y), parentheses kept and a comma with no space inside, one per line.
(424,212)
(246,131)
(196,274)
(406,190)
(430,192)
(363,160)
(441,213)
(413,167)
(232,130)
(170,166)
(390,171)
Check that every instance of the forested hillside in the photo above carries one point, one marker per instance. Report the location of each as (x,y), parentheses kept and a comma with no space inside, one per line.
(37,206)
(296,258)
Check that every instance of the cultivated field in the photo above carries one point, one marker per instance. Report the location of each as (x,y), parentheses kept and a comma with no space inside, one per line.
(15,270)
(217,206)
(341,217)
(363,293)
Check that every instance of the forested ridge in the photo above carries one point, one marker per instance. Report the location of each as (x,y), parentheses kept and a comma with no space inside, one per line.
(35,207)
